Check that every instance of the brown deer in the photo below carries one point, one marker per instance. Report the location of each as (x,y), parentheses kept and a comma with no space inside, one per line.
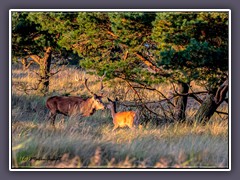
(74,105)
(123,119)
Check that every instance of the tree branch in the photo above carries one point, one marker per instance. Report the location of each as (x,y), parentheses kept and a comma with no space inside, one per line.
(35,58)
(125,55)
(25,64)
(47,54)
(142,104)
(153,89)
(188,94)
(149,64)
(112,34)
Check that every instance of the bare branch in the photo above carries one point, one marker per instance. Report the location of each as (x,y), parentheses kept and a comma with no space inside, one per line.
(140,99)
(26,64)
(112,34)
(153,89)
(196,98)
(57,70)
(125,55)
(23,87)
(148,63)
(188,94)
(53,73)
(35,58)
(35,73)
(220,112)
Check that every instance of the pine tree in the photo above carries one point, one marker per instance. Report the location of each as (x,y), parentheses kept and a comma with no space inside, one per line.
(194,46)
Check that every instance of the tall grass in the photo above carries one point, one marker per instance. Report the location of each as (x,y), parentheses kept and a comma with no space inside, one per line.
(90,143)
(180,144)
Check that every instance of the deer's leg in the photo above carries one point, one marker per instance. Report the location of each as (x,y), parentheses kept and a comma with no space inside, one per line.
(49,116)
(114,128)
(136,121)
(132,127)
(52,116)
(53,119)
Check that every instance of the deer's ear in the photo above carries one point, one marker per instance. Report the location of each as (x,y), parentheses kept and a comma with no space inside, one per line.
(95,96)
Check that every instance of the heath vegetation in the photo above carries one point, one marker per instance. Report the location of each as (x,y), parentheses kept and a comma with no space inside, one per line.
(90,143)
(170,69)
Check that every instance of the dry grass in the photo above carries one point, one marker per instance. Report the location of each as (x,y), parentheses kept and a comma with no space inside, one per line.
(181,144)
(90,143)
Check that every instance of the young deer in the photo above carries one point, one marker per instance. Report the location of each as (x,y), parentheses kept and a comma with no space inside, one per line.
(123,119)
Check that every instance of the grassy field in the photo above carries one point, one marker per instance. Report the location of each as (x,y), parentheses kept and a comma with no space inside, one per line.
(90,143)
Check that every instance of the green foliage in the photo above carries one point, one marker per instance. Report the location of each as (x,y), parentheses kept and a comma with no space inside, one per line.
(27,36)
(32,32)
(108,41)
(176,42)
(188,41)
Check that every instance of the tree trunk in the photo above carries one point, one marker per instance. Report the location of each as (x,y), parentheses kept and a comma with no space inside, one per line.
(206,110)
(181,102)
(44,71)
(211,103)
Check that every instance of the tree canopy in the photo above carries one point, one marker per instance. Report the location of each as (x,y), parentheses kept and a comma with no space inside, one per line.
(135,45)
(188,41)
